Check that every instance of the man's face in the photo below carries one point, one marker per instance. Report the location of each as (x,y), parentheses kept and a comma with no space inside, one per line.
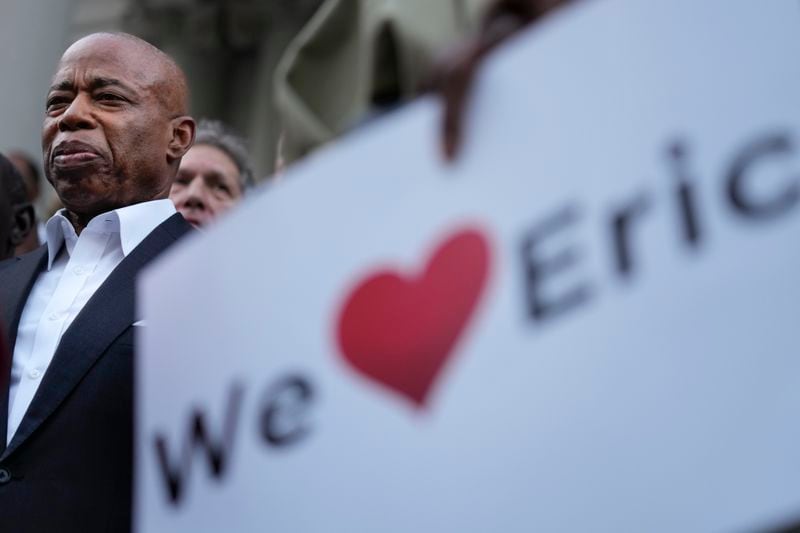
(207,184)
(105,133)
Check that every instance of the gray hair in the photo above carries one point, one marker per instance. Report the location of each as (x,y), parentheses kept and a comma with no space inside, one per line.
(215,133)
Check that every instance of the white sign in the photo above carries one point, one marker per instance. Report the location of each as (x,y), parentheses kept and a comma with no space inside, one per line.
(589,323)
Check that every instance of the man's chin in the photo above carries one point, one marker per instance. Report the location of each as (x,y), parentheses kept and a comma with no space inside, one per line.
(84,203)
(74,171)
(194,221)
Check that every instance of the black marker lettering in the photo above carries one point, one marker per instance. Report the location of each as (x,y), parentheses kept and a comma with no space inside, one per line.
(215,451)
(742,168)
(685,195)
(621,223)
(538,269)
(284,410)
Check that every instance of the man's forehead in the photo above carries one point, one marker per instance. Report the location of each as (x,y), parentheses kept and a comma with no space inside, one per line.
(69,76)
(127,60)
(108,58)
(110,44)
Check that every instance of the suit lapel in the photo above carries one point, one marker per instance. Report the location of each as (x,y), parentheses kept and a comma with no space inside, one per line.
(18,279)
(106,315)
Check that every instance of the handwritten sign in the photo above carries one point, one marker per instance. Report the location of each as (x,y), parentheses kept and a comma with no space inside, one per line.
(588,323)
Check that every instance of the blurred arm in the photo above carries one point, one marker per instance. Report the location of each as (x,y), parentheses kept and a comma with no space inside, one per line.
(454,75)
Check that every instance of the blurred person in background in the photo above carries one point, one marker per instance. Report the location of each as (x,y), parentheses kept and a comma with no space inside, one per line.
(16,221)
(30,172)
(17,218)
(214,175)
(11,192)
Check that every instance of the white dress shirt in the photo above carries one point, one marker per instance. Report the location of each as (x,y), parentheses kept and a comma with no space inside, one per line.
(77,266)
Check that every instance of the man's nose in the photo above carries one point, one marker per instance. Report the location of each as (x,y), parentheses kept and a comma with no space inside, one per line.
(78,115)
(195,194)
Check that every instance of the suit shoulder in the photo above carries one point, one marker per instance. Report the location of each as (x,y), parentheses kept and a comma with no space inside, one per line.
(176,226)
(5,264)
(16,262)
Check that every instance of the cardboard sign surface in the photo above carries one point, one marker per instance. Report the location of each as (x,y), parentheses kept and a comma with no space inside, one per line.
(588,323)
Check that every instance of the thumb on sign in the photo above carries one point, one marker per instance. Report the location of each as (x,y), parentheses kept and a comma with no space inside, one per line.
(454,74)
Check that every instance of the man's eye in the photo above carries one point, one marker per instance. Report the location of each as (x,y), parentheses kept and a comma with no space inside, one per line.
(110,97)
(56,103)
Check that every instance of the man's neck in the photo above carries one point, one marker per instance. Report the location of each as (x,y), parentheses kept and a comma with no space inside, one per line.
(79,221)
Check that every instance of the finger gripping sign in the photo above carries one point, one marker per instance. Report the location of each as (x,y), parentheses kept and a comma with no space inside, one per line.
(586,323)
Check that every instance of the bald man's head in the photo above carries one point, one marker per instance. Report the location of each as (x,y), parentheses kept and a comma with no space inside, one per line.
(168,78)
(116,125)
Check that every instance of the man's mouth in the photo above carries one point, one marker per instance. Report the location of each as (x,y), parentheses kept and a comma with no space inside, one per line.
(193,221)
(75,159)
(72,154)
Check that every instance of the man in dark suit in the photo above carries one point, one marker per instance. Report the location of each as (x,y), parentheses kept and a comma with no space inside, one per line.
(114,132)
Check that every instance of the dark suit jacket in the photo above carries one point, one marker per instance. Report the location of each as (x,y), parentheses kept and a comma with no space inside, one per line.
(69,466)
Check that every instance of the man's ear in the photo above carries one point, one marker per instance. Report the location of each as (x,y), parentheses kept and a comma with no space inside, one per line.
(24,220)
(182,137)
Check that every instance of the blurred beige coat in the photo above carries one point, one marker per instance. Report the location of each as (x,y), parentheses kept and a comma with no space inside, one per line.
(356,56)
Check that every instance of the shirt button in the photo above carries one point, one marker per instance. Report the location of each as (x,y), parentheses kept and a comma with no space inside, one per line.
(53,316)
(35,373)
(79,271)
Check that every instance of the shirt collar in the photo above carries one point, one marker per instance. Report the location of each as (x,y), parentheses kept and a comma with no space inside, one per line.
(133,223)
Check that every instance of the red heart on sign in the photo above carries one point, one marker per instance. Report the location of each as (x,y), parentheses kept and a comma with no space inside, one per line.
(399,331)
